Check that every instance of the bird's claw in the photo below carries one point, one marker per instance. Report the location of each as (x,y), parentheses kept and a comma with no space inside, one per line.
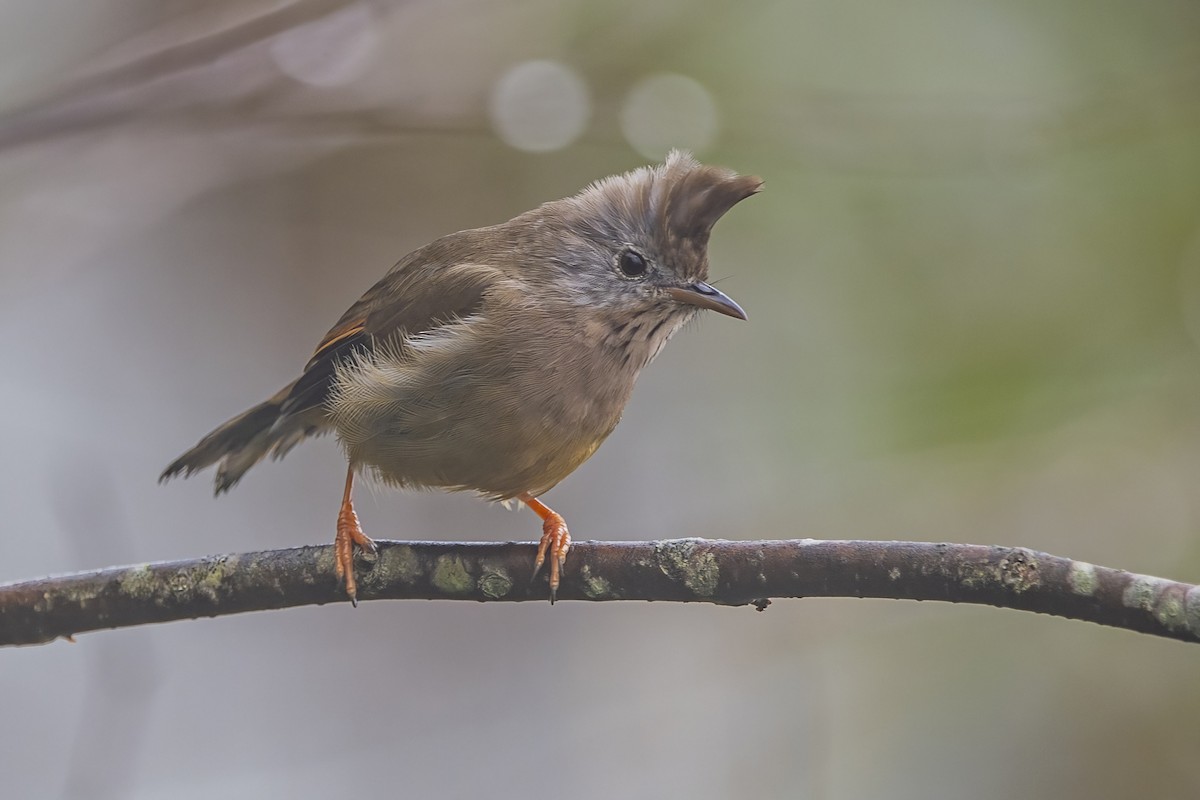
(349,534)
(555,543)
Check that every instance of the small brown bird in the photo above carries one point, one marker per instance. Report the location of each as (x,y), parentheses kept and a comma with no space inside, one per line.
(497,360)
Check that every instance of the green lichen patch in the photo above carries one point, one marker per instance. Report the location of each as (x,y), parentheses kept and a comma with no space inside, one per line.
(450,575)
(596,587)
(495,584)
(686,561)
(975,576)
(399,563)
(1173,608)
(1082,578)
(1140,592)
(138,582)
(211,580)
(1019,570)
(325,560)
(1170,612)
(1191,610)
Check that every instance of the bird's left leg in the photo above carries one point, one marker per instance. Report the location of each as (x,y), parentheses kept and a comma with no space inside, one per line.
(349,533)
(556,540)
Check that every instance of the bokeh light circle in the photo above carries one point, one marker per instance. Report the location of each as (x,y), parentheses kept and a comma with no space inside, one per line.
(669,110)
(333,50)
(539,106)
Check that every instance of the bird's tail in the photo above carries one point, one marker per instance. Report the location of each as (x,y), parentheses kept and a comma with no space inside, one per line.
(243,441)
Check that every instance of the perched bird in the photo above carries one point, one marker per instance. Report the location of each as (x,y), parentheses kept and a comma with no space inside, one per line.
(497,360)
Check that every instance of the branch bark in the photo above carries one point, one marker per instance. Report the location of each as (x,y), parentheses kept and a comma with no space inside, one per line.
(678,570)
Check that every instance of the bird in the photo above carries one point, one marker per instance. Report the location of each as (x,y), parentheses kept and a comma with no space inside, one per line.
(497,360)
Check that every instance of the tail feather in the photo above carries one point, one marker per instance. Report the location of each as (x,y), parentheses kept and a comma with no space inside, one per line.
(243,441)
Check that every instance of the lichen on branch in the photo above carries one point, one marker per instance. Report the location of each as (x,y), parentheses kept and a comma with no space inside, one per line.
(675,570)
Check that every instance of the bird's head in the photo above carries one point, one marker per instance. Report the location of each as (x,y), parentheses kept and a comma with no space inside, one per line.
(634,247)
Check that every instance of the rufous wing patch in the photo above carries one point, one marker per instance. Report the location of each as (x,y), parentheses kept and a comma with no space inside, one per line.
(339,334)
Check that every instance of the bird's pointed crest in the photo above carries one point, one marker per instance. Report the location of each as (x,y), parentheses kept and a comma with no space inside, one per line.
(680,199)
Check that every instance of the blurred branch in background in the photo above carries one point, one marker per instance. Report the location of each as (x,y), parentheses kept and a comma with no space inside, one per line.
(111,95)
(676,570)
(263,70)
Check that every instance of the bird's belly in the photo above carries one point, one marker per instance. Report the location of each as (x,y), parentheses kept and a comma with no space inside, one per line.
(498,441)
(497,466)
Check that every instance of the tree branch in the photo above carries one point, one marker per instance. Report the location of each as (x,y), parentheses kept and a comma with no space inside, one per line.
(679,570)
(102,98)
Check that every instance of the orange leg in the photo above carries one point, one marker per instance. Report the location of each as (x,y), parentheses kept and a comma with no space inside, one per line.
(556,540)
(349,533)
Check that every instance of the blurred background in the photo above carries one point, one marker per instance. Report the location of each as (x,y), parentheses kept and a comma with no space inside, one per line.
(974,289)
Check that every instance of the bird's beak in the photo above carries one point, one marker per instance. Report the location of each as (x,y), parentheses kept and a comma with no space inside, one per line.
(702,295)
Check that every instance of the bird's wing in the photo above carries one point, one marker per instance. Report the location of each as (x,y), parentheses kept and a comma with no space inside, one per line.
(413,298)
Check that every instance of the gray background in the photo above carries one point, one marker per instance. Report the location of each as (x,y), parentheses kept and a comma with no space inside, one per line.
(974,290)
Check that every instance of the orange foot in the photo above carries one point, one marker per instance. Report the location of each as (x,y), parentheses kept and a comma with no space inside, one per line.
(349,533)
(556,541)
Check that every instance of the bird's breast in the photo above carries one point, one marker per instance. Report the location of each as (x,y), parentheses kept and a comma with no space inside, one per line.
(497,412)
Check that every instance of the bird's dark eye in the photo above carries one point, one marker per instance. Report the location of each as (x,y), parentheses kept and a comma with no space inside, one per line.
(632,264)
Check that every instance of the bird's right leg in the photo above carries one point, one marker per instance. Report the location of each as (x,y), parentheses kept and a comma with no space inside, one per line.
(555,542)
(349,533)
